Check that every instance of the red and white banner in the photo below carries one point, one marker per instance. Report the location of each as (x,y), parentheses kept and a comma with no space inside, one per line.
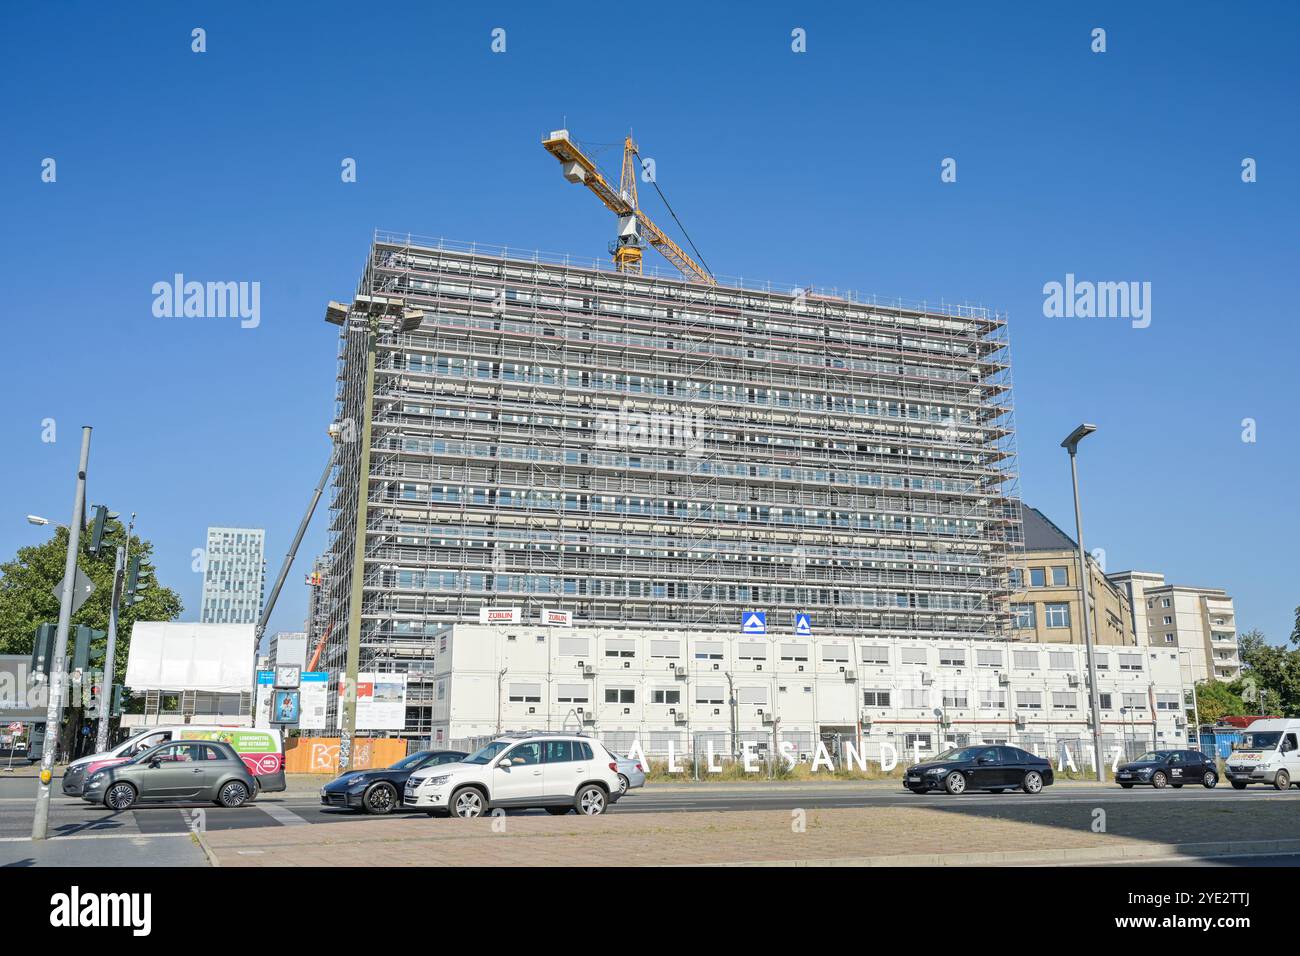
(553,618)
(500,615)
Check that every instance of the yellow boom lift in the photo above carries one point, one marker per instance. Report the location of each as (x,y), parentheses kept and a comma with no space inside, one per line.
(633,223)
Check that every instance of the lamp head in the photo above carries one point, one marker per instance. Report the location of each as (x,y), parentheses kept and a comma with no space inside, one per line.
(1072,440)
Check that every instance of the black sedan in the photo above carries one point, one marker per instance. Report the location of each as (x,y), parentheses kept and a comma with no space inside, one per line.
(379,791)
(980,768)
(1168,768)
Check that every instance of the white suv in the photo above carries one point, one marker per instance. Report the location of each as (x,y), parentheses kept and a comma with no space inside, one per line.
(560,772)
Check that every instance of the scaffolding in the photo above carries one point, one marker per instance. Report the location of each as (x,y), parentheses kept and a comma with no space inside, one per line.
(643,450)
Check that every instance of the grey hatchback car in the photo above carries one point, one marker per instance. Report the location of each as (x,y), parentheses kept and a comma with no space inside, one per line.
(181,770)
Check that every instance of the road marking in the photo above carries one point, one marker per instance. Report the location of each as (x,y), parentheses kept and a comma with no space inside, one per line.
(98,836)
(281,815)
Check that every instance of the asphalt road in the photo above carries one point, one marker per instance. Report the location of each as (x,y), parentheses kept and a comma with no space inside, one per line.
(1165,814)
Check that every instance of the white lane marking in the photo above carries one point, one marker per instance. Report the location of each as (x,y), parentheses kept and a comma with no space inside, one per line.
(281,815)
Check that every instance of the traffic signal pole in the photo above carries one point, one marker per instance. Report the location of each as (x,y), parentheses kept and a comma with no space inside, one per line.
(58,675)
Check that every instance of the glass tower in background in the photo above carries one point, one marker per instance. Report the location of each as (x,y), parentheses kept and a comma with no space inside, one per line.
(234,577)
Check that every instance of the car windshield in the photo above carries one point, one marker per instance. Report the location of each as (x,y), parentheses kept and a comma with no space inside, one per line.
(1264,740)
(410,761)
(1152,756)
(484,754)
(961,753)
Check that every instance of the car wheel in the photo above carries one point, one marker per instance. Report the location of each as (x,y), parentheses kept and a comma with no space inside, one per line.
(233,794)
(955,782)
(1127,786)
(591,801)
(1033,782)
(380,799)
(1238,784)
(623,785)
(468,803)
(120,796)
(559,811)
(1159,780)
(1283,780)
(1210,780)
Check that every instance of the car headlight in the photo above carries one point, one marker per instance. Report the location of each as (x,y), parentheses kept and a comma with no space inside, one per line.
(937,770)
(353,781)
(437,781)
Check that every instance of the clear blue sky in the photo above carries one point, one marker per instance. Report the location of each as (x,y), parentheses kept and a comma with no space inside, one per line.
(815,168)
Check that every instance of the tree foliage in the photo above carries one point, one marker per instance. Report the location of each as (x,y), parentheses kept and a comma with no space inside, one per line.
(28,586)
(1270,676)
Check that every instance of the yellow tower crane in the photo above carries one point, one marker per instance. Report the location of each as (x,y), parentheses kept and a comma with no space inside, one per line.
(633,223)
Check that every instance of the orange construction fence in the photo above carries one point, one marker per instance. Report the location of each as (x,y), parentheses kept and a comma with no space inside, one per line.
(321,754)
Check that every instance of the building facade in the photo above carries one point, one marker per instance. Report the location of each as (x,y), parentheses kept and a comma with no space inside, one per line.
(1045,599)
(725,691)
(647,452)
(234,576)
(1200,623)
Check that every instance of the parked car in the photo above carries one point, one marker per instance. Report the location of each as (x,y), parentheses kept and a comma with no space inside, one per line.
(177,770)
(1269,752)
(980,768)
(631,774)
(556,771)
(261,749)
(1168,768)
(380,791)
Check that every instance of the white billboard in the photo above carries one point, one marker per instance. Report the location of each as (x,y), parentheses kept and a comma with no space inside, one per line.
(500,615)
(381,702)
(554,618)
(217,658)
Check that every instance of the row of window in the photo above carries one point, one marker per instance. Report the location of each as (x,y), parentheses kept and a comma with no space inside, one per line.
(1057,575)
(1055,615)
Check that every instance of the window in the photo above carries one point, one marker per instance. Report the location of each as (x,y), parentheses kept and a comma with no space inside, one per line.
(1060,660)
(1017,579)
(1060,576)
(985,658)
(710,695)
(1025,619)
(620,695)
(1038,577)
(954,699)
(1135,701)
(1168,620)
(1025,660)
(751,695)
(1164,602)
(666,696)
(995,699)
(1103,701)
(1058,615)
(875,698)
(560,751)
(525,693)
(620,648)
(1103,660)
(794,652)
(952,657)
(1166,701)
(1029,700)
(1064,700)
(871,654)
(1130,662)
(1169,639)
(529,753)
(752,651)
(708,650)
(914,698)
(912,655)
(916,741)
(666,649)
(835,653)
(574,647)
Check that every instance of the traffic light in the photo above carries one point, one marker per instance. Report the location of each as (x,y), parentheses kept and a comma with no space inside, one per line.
(137,579)
(118,699)
(82,654)
(43,649)
(97,529)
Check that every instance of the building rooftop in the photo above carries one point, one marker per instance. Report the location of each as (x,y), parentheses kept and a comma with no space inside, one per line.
(1042,535)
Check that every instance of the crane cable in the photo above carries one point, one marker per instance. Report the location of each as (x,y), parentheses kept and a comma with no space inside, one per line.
(664,198)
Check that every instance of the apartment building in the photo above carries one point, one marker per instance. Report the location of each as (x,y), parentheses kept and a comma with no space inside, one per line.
(647,452)
(234,576)
(1200,623)
(724,690)
(1045,600)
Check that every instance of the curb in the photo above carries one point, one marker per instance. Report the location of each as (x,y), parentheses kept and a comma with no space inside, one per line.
(1138,851)
(207,850)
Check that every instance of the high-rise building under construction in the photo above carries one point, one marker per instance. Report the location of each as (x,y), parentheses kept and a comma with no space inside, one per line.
(644,451)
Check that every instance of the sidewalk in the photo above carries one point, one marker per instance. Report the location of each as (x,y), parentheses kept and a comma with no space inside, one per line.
(888,835)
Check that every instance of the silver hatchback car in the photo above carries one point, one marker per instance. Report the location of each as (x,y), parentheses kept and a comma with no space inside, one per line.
(188,771)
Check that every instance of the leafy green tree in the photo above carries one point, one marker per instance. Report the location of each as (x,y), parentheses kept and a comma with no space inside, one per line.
(1270,676)
(1215,699)
(28,586)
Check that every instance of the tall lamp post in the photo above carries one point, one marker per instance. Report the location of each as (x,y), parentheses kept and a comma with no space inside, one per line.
(366,314)
(1071,444)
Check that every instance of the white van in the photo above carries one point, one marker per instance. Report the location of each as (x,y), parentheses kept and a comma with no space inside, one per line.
(1269,752)
(262,750)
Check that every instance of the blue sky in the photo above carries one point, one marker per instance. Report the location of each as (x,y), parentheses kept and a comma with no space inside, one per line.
(814,168)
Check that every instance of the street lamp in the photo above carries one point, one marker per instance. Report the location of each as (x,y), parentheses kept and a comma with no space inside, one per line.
(1071,444)
(37,520)
(365,313)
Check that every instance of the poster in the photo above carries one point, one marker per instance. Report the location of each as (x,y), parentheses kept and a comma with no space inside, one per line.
(381,702)
(313,698)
